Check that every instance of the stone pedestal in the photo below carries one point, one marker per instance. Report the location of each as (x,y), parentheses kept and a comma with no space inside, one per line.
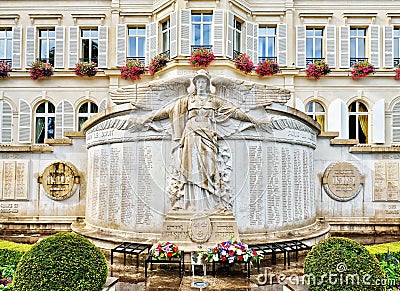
(195,231)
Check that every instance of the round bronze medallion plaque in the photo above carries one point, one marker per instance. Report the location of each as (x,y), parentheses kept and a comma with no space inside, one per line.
(59,180)
(342,181)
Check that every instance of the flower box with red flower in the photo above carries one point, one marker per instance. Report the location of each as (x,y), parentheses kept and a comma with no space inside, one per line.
(132,70)
(88,69)
(317,70)
(201,58)
(397,71)
(244,63)
(157,63)
(267,68)
(361,70)
(166,253)
(5,70)
(41,70)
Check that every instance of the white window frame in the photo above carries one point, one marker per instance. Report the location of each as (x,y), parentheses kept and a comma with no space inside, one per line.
(48,39)
(137,36)
(267,36)
(7,43)
(202,24)
(88,114)
(46,114)
(237,34)
(357,38)
(396,42)
(358,113)
(314,113)
(314,39)
(166,31)
(91,39)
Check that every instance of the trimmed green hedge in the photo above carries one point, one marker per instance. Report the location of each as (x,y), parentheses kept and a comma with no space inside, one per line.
(342,264)
(62,262)
(381,250)
(11,253)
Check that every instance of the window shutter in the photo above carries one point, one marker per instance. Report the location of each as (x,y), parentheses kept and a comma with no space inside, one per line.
(388,46)
(282,44)
(396,123)
(59,51)
(344,46)
(151,41)
(378,122)
(6,122)
(218,30)
(24,122)
(300,46)
(229,35)
(375,45)
(121,44)
(338,118)
(173,35)
(103,105)
(73,46)
(30,46)
(64,118)
(103,47)
(185,32)
(331,46)
(16,47)
(300,105)
(251,41)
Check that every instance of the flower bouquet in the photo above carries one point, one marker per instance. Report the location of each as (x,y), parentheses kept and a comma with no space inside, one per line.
(244,63)
(231,251)
(317,70)
(165,251)
(41,70)
(397,71)
(267,68)
(132,70)
(201,58)
(157,63)
(361,69)
(85,69)
(5,70)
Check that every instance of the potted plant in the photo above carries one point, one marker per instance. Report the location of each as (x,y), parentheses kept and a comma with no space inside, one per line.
(397,71)
(85,69)
(267,68)
(201,58)
(361,69)
(132,70)
(157,63)
(244,63)
(317,70)
(40,70)
(165,251)
(5,70)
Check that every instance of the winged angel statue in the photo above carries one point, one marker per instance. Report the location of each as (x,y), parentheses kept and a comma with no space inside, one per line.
(197,122)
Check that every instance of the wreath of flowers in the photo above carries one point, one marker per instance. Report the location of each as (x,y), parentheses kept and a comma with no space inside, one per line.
(201,58)
(132,70)
(157,63)
(361,69)
(85,69)
(41,70)
(244,63)
(317,70)
(165,251)
(5,70)
(231,251)
(267,68)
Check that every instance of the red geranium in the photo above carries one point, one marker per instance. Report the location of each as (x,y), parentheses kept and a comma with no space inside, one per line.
(267,68)
(361,69)
(244,63)
(132,70)
(201,58)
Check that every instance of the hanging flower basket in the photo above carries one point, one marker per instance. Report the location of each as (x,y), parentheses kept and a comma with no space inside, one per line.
(397,71)
(5,70)
(267,68)
(132,70)
(201,58)
(157,63)
(41,70)
(317,70)
(361,69)
(85,69)
(244,63)
(165,251)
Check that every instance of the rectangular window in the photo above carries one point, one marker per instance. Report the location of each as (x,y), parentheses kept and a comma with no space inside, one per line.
(314,39)
(267,43)
(237,37)
(47,43)
(396,46)
(137,43)
(357,45)
(165,32)
(201,30)
(89,45)
(6,45)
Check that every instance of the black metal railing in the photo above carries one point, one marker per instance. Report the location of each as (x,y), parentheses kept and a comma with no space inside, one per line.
(166,53)
(396,62)
(196,47)
(7,61)
(141,59)
(88,60)
(236,54)
(313,60)
(356,60)
(46,60)
(262,59)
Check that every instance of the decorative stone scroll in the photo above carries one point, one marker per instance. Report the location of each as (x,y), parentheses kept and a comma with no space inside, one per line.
(342,181)
(59,180)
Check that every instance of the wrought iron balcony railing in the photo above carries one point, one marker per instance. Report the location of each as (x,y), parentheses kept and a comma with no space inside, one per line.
(262,59)
(7,61)
(196,47)
(46,60)
(356,60)
(142,59)
(166,53)
(88,60)
(313,60)
(396,62)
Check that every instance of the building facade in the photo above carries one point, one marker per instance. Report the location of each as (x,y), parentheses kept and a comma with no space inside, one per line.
(42,120)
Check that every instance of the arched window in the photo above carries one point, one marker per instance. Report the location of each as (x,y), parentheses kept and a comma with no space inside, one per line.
(358,122)
(396,123)
(317,112)
(86,110)
(5,122)
(44,121)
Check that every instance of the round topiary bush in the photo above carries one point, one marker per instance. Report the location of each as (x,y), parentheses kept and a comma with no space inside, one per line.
(342,264)
(62,262)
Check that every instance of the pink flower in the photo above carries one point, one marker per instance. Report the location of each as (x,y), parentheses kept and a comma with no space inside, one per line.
(267,68)
(132,70)
(201,58)
(244,63)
